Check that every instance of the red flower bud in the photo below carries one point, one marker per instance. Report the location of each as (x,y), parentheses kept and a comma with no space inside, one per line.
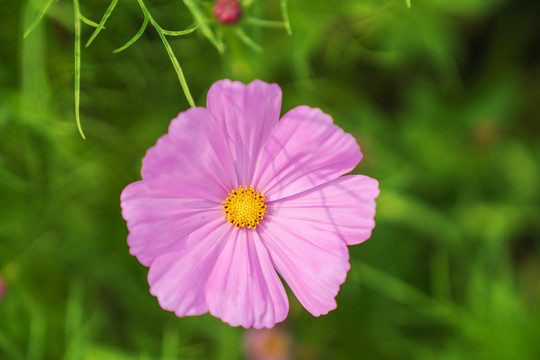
(227,11)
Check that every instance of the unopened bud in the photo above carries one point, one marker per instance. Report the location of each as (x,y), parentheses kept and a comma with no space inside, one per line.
(227,11)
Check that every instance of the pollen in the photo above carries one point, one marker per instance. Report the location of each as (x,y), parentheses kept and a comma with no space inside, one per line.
(244,207)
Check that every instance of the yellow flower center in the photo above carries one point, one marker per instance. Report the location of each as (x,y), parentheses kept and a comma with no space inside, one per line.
(244,207)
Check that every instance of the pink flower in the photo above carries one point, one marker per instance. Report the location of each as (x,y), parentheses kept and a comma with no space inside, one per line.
(232,194)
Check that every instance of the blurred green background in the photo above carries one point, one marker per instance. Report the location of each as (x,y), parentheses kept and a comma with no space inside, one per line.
(443,98)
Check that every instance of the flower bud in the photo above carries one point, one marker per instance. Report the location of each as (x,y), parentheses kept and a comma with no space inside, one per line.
(227,11)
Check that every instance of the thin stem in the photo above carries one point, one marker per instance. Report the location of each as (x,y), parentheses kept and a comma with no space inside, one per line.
(285,15)
(265,23)
(248,41)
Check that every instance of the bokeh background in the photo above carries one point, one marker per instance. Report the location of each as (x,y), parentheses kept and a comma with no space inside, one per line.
(443,98)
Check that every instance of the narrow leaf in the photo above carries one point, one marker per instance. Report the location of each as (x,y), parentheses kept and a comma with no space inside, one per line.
(199,16)
(77,47)
(248,41)
(285,15)
(170,52)
(40,15)
(87,21)
(134,38)
(181,32)
(265,23)
(103,21)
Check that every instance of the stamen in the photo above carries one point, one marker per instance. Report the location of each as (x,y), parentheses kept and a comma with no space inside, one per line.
(244,207)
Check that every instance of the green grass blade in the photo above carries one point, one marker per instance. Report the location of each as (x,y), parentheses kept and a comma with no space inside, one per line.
(170,52)
(285,15)
(408,3)
(199,16)
(103,21)
(265,23)
(134,38)
(77,51)
(248,41)
(87,21)
(181,32)
(41,13)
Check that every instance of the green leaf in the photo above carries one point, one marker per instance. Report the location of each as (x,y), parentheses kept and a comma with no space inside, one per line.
(102,22)
(199,16)
(248,41)
(285,15)
(134,38)
(170,52)
(181,32)
(41,13)
(77,51)
(87,21)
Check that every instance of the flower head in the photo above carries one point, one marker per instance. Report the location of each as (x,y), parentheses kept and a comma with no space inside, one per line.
(233,195)
(227,11)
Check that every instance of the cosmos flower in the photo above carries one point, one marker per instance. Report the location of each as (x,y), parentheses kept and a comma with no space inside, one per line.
(233,195)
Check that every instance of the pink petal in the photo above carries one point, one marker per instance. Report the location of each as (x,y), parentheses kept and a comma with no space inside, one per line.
(246,115)
(156,221)
(191,160)
(312,260)
(304,150)
(178,278)
(345,206)
(244,288)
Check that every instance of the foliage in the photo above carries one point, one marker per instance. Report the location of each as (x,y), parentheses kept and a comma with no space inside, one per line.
(442,97)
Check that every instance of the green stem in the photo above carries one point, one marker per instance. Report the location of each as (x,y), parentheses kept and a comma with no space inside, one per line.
(285,15)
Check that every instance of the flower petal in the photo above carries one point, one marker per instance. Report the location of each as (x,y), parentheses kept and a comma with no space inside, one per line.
(312,260)
(156,221)
(244,288)
(304,150)
(345,206)
(191,160)
(178,278)
(246,115)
